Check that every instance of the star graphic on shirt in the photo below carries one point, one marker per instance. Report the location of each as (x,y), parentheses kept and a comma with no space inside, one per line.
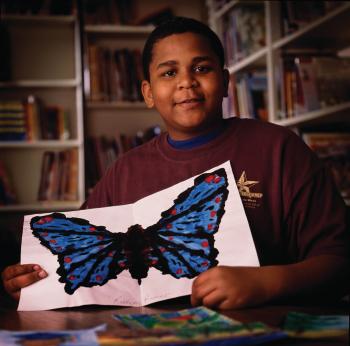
(244,185)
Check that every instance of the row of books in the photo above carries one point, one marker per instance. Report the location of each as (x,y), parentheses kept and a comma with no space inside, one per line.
(59,176)
(32,120)
(309,82)
(38,7)
(114,75)
(247,96)
(7,192)
(243,32)
(334,149)
(103,151)
(243,29)
(120,12)
(296,14)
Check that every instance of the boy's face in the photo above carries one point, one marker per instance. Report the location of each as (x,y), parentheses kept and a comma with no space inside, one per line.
(186,85)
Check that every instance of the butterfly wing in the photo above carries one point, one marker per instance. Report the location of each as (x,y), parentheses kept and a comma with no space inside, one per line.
(88,255)
(183,239)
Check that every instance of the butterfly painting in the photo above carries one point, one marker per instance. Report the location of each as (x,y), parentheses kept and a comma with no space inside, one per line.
(180,244)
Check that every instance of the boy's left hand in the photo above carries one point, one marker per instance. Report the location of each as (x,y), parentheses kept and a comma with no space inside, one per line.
(229,287)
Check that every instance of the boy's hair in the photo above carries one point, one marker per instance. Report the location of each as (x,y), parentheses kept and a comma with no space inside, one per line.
(180,25)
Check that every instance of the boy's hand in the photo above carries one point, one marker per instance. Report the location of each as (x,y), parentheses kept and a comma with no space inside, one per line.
(238,287)
(17,276)
(229,288)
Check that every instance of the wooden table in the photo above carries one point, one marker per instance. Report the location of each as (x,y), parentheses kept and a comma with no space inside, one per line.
(91,316)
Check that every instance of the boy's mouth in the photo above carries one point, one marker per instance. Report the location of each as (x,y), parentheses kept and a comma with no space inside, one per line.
(190,101)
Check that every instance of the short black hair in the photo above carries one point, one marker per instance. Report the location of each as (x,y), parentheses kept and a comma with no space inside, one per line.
(180,25)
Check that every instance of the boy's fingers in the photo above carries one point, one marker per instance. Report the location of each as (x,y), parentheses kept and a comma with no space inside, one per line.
(199,292)
(25,280)
(17,270)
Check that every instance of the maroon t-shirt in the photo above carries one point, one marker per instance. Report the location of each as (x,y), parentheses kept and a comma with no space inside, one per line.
(292,205)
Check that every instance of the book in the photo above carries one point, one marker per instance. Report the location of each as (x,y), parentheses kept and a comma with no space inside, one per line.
(96,85)
(193,326)
(247,95)
(59,176)
(32,111)
(243,31)
(38,7)
(307,97)
(102,151)
(297,14)
(155,17)
(114,75)
(71,192)
(309,82)
(121,12)
(12,121)
(46,164)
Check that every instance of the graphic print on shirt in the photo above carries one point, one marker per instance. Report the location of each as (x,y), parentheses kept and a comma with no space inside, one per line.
(181,243)
(250,199)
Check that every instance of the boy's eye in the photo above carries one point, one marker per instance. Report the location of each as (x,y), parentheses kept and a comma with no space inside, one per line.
(202,68)
(169,73)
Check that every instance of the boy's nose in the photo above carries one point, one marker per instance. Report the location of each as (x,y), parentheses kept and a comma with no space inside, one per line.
(187,81)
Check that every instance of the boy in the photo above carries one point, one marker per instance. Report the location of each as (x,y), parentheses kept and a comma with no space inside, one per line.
(296,217)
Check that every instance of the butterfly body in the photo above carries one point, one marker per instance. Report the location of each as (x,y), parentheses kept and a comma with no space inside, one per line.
(137,249)
(181,243)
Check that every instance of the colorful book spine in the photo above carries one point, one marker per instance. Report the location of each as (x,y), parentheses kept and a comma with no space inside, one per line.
(12,121)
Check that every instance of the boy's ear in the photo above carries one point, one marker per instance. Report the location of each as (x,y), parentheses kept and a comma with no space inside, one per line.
(226,81)
(147,93)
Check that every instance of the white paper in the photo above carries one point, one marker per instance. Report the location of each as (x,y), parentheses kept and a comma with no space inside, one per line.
(233,241)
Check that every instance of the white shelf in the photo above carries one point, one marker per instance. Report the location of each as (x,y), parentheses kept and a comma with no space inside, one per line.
(42,206)
(118,29)
(314,115)
(247,61)
(287,39)
(46,62)
(58,83)
(42,144)
(224,9)
(116,105)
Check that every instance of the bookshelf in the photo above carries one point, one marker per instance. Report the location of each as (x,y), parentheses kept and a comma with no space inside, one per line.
(285,45)
(319,34)
(109,116)
(45,53)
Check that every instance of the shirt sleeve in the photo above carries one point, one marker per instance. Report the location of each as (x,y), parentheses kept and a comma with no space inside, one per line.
(316,219)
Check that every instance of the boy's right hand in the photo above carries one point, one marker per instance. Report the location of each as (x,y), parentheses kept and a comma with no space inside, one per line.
(17,276)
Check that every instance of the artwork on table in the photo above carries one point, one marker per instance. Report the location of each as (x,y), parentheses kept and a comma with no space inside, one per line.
(137,254)
(85,337)
(302,325)
(193,326)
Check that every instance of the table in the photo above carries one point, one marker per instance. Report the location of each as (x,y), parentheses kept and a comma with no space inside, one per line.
(91,316)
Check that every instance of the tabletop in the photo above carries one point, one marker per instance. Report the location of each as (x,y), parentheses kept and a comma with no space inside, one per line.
(91,316)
